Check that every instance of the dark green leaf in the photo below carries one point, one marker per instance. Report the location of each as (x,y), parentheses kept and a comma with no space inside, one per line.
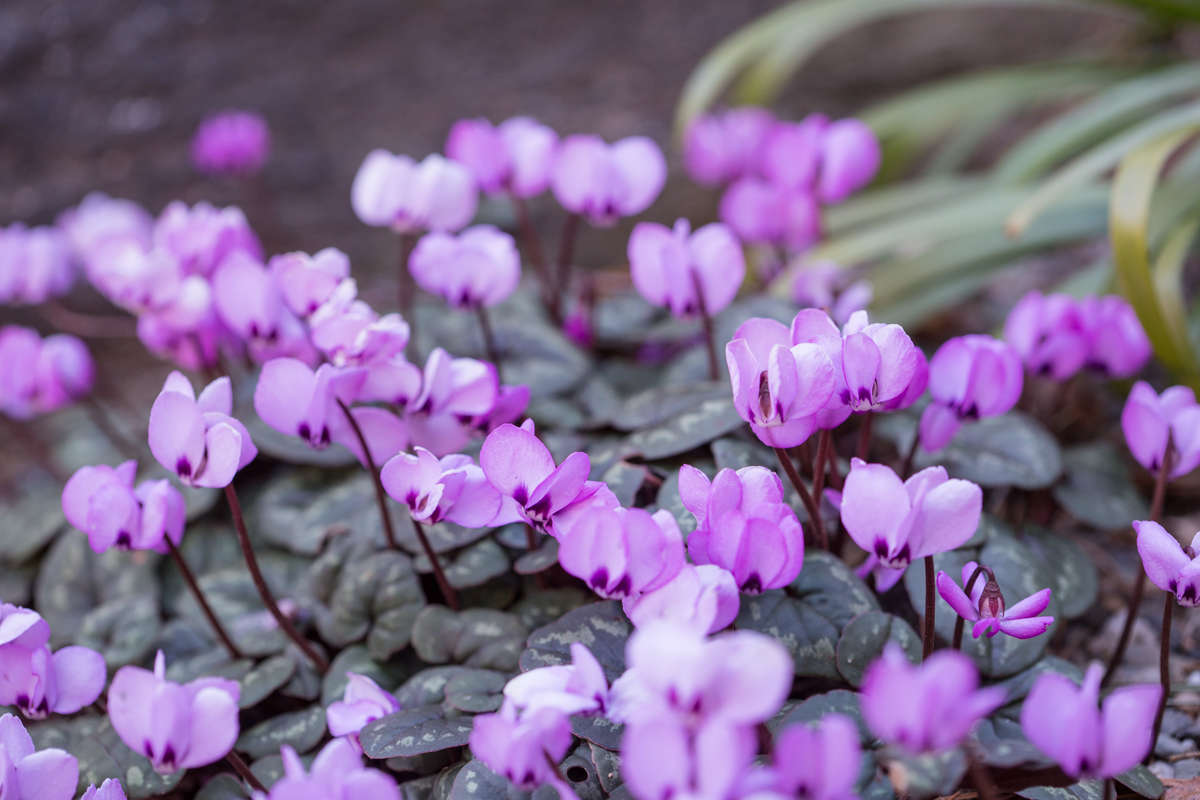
(1096,488)
(124,630)
(687,430)
(1084,790)
(927,775)
(301,730)
(838,701)
(471,566)
(262,681)
(32,515)
(863,639)
(1013,449)
(476,782)
(543,606)
(102,754)
(1002,744)
(545,557)
(601,627)
(1074,581)
(481,637)
(1143,781)
(301,508)
(476,691)
(1018,685)
(354,659)
(222,787)
(624,479)
(660,404)
(413,732)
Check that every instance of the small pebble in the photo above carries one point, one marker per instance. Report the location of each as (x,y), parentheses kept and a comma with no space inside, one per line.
(1169,745)
(1187,769)
(1176,722)
(1162,769)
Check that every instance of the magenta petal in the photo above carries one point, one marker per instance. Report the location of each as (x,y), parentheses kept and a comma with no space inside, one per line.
(953,594)
(80,675)
(694,488)
(1162,556)
(281,396)
(938,425)
(513,458)
(1127,717)
(1025,628)
(643,171)
(655,759)
(875,505)
(176,433)
(49,774)
(213,729)
(946,518)
(562,486)
(386,434)
(1029,607)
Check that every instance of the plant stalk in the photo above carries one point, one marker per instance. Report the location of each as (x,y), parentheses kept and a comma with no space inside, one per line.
(380,495)
(810,505)
(927,629)
(1164,669)
(960,623)
(190,579)
(447,590)
(243,770)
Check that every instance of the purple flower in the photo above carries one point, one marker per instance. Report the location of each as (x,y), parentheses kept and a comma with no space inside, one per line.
(28,774)
(362,702)
(970,377)
(1118,344)
(187,330)
(200,237)
(722,147)
(821,285)
(248,300)
(669,267)
(38,375)
(778,387)
(1047,332)
(743,525)
(985,607)
(394,191)
(478,267)
(453,489)
(792,152)
(305,281)
(1086,738)
(1150,421)
(35,264)
(761,212)
(453,393)
(232,143)
(873,363)
(196,439)
(850,157)
(99,223)
(517,463)
(925,707)
(704,597)
(522,746)
(663,759)
(102,502)
(175,726)
(337,773)
(515,156)
(576,688)
(36,681)
(109,790)
(604,182)
(1168,565)
(898,522)
(620,552)
(297,401)
(818,762)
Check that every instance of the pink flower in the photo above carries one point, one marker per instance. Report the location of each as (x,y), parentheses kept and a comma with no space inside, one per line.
(576,688)
(1086,739)
(29,774)
(231,142)
(1047,331)
(792,152)
(35,264)
(521,468)
(305,281)
(515,156)
(669,267)
(453,392)
(970,377)
(109,790)
(522,746)
(102,502)
(822,285)
(722,147)
(197,439)
(620,552)
(761,212)
(101,222)
(38,682)
(704,597)
(478,267)
(985,606)
(850,157)
(362,702)
(200,237)
(38,375)
(1150,421)
(453,489)
(1168,565)
(899,522)
(1118,344)
(337,773)
(605,182)
(394,191)
(818,762)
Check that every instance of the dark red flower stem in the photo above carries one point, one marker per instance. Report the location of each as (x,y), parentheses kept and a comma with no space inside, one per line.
(960,623)
(981,778)
(1164,669)
(1139,586)
(531,544)
(864,436)
(242,769)
(824,446)
(489,340)
(566,254)
(380,496)
(927,629)
(264,592)
(447,590)
(810,505)
(532,245)
(190,579)
(706,323)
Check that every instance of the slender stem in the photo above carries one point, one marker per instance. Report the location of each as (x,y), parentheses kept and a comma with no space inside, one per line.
(710,341)
(960,622)
(448,592)
(814,511)
(531,543)
(1139,585)
(1164,668)
(864,436)
(566,254)
(907,465)
(88,326)
(190,579)
(824,445)
(489,341)
(981,777)
(927,630)
(264,592)
(532,244)
(380,496)
(242,769)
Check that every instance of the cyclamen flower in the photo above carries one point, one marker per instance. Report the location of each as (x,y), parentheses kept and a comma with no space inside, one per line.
(337,773)
(362,702)
(604,182)
(394,191)
(850,157)
(196,439)
(704,597)
(478,267)
(792,152)
(778,387)
(576,688)
(686,272)
(231,142)
(821,285)
(1119,346)
(1047,331)
(202,236)
(970,377)
(38,682)
(722,147)
(1151,421)
(818,762)
(744,526)
(1170,566)
(102,502)
(663,759)
(515,156)
(985,606)
(248,300)
(35,264)
(453,488)
(99,222)
(306,282)
(621,552)
(761,212)
(523,747)
(453,393)
(109,790)
(520,467)
(1087,738)
(38,375)
(29,774)
(899,522)
(175,726)
(930,706)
